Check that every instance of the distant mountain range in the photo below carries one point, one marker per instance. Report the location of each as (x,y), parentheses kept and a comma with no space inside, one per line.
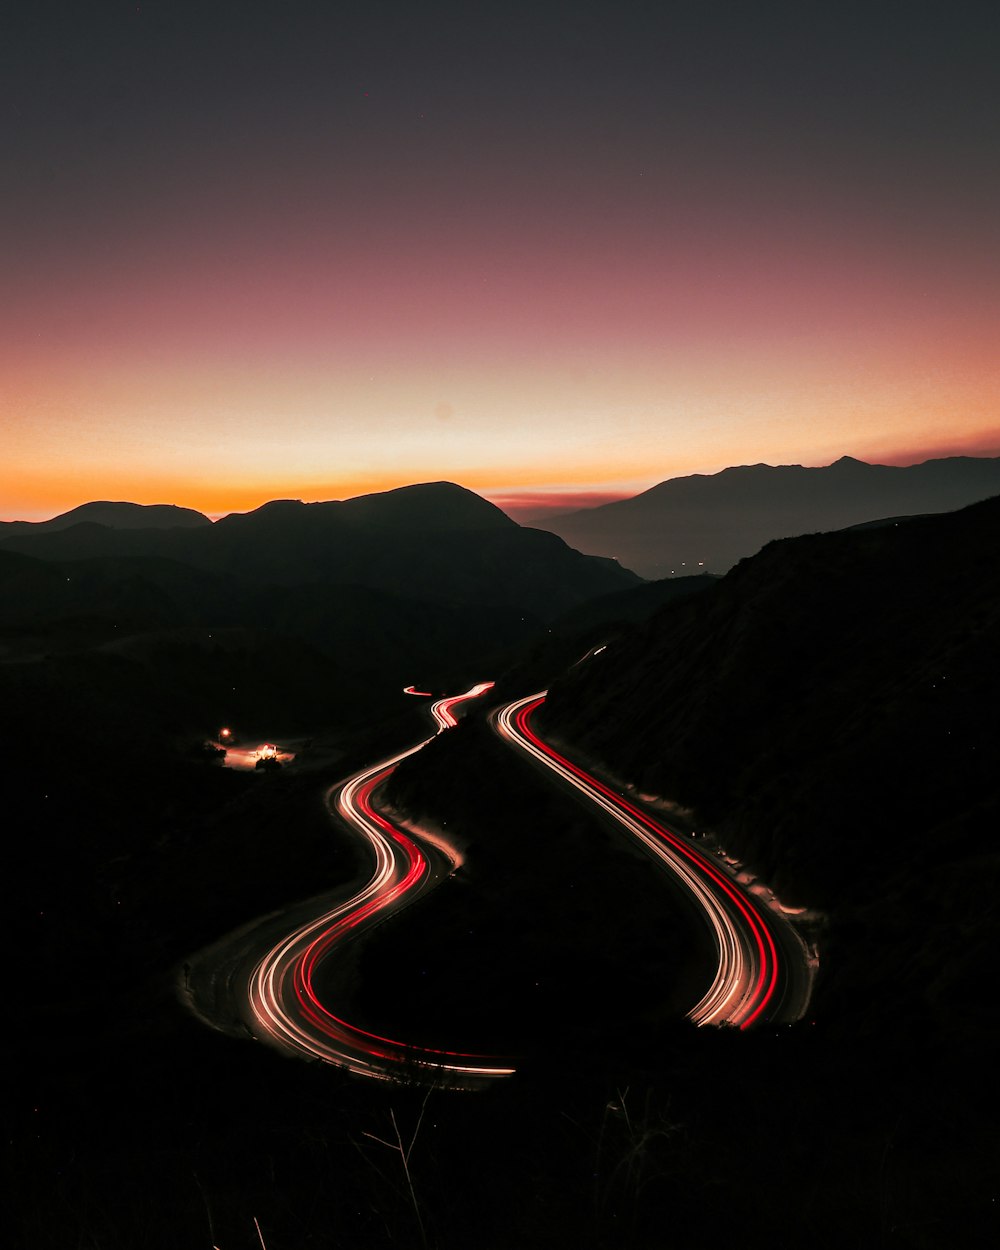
(121,516)
(437,540)
(432,542)
(707,523)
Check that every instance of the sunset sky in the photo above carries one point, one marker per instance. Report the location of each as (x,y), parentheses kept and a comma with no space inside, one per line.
(309,250)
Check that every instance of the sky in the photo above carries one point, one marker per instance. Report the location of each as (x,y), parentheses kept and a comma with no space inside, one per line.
(551,251)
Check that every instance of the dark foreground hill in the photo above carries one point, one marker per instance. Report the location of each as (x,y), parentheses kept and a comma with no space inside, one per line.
(51,608)
(689,524)
(829,708)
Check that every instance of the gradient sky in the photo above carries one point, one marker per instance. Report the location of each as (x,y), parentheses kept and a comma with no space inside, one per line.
(308,250)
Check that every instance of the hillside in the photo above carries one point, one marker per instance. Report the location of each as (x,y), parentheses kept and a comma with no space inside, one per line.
(706,523)
(828,708)
(165,610)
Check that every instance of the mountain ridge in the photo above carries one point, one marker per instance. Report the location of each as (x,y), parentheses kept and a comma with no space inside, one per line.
(710,521)
(435,542)
(113,514)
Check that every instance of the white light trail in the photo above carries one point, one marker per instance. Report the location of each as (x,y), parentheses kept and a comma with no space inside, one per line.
(747,972)
(286,1008)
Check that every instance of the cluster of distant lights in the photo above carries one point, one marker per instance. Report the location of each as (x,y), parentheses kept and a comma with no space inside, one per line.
(266,751)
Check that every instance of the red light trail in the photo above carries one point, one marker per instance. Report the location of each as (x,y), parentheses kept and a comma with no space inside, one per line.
(764,971)
(287,1008)
(745,988)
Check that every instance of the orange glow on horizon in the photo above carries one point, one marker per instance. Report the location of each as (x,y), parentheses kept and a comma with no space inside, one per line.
(581,303)
(56,493)
(569,395)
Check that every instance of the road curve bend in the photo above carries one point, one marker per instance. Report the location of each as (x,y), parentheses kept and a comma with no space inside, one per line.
(286,1008)
(764,971)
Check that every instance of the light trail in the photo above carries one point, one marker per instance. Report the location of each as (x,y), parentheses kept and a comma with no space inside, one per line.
(744,990)
(287,1009)
(442,710)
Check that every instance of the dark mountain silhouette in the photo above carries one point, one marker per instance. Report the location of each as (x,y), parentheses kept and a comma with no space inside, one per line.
(690,524)
(829,708)
(50,608)
(124,516)
(430,506)
(434,542)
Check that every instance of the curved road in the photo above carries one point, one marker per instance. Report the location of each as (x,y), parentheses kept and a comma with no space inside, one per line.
(287,1009)
(764,969)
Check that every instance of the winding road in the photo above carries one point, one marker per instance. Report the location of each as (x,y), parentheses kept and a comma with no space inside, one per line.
(287,1009)
(763,974)
(764,971)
